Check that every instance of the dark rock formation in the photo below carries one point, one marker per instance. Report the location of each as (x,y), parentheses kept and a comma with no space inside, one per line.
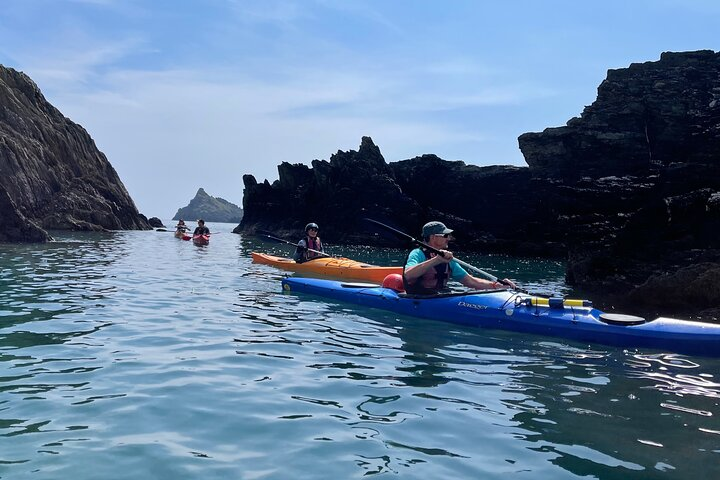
(155,222)
(629,192)
(210,209)
(51,170)
(492,209)
(337,194)
(650,147)
(15,227)
(648,116)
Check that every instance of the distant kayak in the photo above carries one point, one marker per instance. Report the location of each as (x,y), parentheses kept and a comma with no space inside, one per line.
(203,239)
(183,235)
(507,310)
(329,267)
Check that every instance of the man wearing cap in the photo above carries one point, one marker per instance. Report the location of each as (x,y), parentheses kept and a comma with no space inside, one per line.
(427,273)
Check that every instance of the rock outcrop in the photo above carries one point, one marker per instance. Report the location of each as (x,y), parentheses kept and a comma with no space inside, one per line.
(351,186)
(15,227)
(629,192)
(155,222)
(492,209)
(210,209)
(648,153)
(51,170)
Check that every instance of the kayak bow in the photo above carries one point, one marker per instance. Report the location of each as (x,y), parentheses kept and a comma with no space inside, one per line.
(329,267)
(203,239)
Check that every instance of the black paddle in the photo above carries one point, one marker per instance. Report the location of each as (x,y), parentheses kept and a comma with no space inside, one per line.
(168,231)
(417,242)
(293,244)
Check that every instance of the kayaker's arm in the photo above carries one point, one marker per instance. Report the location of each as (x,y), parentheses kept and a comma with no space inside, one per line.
(300,251)
(482,284)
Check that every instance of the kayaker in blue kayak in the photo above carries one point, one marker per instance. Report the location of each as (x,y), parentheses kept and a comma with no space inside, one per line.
(307,244)
(201,229)
(426,273)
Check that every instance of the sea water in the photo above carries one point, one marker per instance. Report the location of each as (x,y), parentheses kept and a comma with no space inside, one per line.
(136,355)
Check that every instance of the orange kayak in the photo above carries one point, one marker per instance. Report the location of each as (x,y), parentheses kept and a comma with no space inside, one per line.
(329,267)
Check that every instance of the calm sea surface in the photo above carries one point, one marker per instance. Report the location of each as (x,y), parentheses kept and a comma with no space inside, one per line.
(135,355)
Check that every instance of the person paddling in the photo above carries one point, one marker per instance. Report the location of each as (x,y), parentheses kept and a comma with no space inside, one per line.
(201,229)
(181,227)
(426,273)
(306,245)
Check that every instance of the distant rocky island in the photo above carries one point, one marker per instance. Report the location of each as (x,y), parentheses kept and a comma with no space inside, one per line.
(628,193)
(210,209)
(52,176)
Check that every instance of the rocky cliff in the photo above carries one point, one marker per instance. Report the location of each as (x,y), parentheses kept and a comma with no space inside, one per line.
(341,192)
(492,209)
(629,192)
(210,209)
(52,176)
(647,155)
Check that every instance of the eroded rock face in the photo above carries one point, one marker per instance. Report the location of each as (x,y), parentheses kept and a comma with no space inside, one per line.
(654,127)
(337,194)
(52,170)
(646,117)
(15,227)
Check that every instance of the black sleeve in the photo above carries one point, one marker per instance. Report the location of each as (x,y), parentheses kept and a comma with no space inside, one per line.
(299,255)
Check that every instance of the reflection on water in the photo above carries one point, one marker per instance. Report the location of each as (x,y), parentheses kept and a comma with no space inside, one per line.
(135,352)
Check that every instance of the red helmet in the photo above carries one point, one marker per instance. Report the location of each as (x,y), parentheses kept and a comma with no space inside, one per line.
(394,281)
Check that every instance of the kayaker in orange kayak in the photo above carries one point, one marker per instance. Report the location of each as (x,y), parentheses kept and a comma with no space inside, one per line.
(427,273)
(310,246)
(181,228)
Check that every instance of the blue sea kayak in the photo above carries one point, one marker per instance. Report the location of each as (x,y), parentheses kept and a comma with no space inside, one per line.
(506,310)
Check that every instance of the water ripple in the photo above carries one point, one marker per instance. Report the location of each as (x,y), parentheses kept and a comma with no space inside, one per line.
(133,354)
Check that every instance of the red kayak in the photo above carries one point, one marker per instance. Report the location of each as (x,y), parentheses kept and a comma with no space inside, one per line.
(203,239)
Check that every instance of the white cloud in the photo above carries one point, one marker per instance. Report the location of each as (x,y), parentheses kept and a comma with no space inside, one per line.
(202,93)
(184,125)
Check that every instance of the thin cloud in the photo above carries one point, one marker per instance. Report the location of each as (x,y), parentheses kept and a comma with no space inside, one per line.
(238,87)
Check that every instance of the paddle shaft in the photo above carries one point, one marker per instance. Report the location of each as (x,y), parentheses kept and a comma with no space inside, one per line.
(417,242)
(293,244)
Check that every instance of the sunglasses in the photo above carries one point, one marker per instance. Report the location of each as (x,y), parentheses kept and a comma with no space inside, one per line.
(444,235)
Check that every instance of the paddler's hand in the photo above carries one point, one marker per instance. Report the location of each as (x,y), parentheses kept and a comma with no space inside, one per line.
(505,283)
(444,257)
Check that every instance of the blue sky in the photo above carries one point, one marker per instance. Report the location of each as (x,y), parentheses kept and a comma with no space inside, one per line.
(182,94)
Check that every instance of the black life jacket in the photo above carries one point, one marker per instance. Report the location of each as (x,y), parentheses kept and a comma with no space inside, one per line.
(437,276)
